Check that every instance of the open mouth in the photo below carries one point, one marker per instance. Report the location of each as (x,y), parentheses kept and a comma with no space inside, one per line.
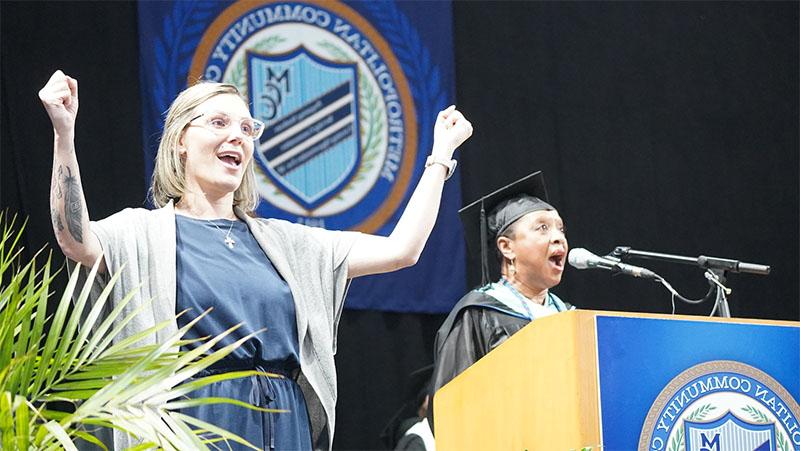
(557,259)
(230,159)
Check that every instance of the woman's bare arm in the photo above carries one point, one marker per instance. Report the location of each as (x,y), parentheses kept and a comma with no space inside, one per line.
(373,254)
(67,203)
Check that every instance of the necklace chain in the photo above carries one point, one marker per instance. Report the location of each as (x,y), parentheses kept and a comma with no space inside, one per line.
(229,241)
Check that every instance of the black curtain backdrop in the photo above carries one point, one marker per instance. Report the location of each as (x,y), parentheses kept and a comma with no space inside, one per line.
(670,127)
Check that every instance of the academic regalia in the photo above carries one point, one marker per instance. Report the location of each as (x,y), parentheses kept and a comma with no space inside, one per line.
(485,317)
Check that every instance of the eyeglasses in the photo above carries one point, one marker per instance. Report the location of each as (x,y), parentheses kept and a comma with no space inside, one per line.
(219,122)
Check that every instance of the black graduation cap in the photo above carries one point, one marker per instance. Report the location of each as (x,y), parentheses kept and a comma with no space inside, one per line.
(488,217)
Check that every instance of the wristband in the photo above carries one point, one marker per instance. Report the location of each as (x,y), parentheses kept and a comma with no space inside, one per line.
(450,165)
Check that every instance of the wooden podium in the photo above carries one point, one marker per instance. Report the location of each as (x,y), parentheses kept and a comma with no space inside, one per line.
(589,380)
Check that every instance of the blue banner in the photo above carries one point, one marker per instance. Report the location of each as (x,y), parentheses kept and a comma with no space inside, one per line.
(349,93)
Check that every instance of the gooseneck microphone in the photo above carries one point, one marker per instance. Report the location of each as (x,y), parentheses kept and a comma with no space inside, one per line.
(580,258)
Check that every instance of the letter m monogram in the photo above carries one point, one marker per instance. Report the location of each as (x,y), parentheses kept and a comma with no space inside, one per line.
(712,445)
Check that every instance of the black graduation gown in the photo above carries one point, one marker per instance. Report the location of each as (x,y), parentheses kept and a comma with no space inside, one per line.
(477,324)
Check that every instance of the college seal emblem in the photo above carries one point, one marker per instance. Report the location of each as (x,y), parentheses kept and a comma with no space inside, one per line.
(722,405)
(339,146)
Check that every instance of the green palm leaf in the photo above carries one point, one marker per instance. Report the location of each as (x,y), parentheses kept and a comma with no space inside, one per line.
(83,361)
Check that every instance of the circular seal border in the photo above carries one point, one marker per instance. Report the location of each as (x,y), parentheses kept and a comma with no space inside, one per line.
(229,15)
(700,370)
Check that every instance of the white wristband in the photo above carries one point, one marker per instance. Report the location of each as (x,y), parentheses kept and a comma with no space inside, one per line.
(450,165)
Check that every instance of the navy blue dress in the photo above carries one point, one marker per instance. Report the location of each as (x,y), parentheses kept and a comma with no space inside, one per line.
(242,286)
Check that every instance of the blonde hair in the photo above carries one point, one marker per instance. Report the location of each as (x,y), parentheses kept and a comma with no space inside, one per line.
(169,177)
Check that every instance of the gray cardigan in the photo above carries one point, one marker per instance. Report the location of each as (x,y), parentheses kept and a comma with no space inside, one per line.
(313,262)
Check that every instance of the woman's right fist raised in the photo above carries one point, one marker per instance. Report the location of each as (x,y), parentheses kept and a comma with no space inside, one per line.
(60,99)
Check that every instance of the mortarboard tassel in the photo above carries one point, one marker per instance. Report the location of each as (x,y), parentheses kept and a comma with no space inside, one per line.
(484,257)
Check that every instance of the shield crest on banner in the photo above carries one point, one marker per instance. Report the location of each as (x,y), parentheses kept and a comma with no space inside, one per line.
(310,148)
(729,432)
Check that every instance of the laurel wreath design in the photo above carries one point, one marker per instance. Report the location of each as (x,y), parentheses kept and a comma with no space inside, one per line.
(423,76)
(783,444)
(701,412)
(237,77)
(172,50)
(757,415)
(370,119)
(677,443)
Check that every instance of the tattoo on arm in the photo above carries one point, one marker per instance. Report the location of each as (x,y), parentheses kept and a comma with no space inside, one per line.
(58,185)
(73,210)
(57,223)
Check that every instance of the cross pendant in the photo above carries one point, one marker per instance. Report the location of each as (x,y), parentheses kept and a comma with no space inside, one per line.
(229,242)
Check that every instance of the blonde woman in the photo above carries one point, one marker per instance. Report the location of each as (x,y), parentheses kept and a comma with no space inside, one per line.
(202,248)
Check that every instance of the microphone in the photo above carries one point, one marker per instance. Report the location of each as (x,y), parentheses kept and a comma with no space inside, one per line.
(580,258)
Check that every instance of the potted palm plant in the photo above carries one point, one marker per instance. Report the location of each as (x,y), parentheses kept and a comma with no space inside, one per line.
(75,358)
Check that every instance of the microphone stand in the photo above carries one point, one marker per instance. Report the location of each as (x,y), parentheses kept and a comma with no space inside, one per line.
(721,303)
(716,271)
